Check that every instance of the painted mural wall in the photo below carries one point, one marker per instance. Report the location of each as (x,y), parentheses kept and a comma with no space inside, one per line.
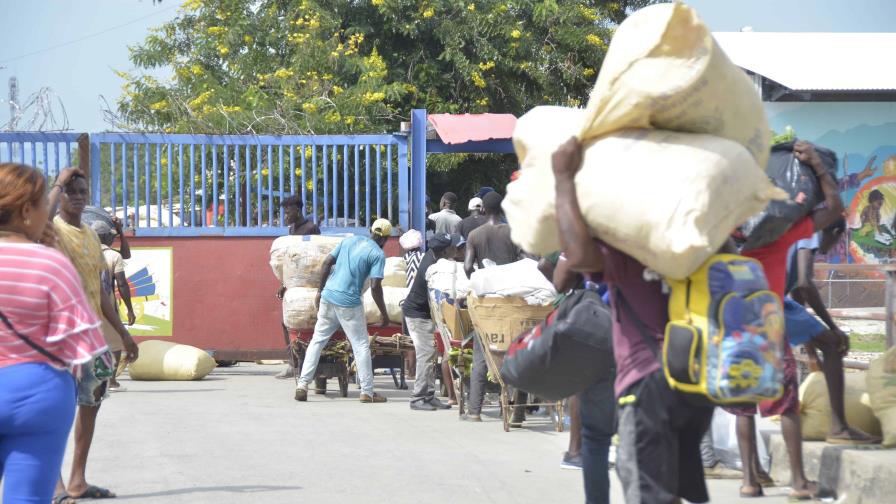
(863,134)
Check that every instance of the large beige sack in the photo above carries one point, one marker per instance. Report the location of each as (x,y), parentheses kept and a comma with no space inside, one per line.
(395,273)
(303,260)
(664,70)
(278,253)
(393,296)
(668,199)
(164,360)
(815,406)
(299,310)
(881,381)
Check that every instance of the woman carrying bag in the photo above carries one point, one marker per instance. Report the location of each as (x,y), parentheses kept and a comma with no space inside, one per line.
(47,329)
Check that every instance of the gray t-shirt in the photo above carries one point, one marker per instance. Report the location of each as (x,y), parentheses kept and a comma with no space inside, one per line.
(446,221)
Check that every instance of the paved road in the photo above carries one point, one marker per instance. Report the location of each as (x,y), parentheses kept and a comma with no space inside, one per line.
(239,437)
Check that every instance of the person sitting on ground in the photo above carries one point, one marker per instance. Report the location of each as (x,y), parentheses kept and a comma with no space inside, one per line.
(47,330)
(299,225)
(489,244)
(446,219)
(803,328)
(114,277)
(773,258)
(658,458)
(339,304)
(82,246)
(474,220)
(421,327)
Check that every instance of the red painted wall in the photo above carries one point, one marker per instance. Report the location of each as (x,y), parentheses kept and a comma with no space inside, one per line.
(224,293)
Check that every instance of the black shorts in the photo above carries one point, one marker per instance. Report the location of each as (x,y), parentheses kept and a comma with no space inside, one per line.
(658,458)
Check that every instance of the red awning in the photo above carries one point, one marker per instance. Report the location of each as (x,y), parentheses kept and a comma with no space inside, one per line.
(462,128)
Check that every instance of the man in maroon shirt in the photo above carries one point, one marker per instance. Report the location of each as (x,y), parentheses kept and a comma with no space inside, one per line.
(658,459)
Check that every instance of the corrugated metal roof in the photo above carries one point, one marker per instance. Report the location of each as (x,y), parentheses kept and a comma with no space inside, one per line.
(816,61)
(462,128)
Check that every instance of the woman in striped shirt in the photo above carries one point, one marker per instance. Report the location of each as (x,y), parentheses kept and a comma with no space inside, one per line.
(47,328)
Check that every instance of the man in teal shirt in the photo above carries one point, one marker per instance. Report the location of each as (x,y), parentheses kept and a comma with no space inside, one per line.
(339,305)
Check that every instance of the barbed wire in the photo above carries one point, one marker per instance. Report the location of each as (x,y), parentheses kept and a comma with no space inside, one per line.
(38,113)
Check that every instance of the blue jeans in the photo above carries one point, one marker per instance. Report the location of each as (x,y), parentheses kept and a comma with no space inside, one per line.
(597,408)
(37,407)
(353,322)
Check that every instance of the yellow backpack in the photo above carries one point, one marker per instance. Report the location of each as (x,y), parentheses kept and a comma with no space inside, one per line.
(725,337)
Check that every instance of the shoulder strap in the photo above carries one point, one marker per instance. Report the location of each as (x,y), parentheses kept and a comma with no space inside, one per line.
(642,329)
(39,349)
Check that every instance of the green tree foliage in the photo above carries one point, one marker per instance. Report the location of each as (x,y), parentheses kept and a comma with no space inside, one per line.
(336,66)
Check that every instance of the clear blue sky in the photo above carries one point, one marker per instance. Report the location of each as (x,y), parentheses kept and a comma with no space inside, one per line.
(82,70)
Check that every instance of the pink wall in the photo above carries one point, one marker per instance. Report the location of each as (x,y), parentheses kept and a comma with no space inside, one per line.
(224,294)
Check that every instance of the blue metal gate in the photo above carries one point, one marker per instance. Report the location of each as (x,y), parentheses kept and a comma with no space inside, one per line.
(191,185)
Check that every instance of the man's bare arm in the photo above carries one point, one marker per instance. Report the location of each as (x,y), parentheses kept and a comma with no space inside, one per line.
(581,250)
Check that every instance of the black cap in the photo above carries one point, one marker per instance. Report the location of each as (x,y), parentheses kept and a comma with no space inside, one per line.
(441,241)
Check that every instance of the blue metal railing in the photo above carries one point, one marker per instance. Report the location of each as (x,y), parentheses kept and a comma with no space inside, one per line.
(50,152)
(188,185)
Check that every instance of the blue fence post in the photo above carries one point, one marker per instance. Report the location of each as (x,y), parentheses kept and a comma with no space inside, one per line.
(404,202)
(95,172)
(418,169)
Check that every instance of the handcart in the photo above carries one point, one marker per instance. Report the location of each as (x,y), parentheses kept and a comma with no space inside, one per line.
(498,321)
(335,359)
(454,327)
(387,349)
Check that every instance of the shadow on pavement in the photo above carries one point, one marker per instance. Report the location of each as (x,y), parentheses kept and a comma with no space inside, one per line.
(239,489)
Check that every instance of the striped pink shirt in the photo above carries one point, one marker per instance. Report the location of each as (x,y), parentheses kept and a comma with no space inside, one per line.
(41,295)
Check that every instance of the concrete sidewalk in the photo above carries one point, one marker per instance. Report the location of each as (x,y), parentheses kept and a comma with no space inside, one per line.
(239,437)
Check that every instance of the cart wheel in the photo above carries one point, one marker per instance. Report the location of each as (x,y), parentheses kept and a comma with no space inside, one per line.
(505,409)
(320,385)
(461,403)
(343,386)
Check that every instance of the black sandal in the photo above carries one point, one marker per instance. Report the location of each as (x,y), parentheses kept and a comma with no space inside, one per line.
(63,498)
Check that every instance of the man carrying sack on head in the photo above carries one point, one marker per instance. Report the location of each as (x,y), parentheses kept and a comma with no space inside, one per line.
(340,307)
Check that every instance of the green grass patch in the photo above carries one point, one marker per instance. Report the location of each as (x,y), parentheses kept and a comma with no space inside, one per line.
(873,342)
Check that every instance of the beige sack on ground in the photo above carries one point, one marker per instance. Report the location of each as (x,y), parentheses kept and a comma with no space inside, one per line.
(664,70)
(165,360)
(668,199)
(395,273)
(393,296)
(303,260)
(881,381)
(815,406)
(299,310)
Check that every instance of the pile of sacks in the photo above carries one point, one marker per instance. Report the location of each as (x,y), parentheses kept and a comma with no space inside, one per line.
(296,261)
(881,382)
(395,280)
(520,279)
(675,140)
(447,280)
(815,406)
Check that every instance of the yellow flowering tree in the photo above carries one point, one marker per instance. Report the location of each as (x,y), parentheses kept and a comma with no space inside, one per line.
(360,66)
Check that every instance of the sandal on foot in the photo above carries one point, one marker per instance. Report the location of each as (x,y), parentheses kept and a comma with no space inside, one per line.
(63,498)
(803,495)
(754,492)
(95,492)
